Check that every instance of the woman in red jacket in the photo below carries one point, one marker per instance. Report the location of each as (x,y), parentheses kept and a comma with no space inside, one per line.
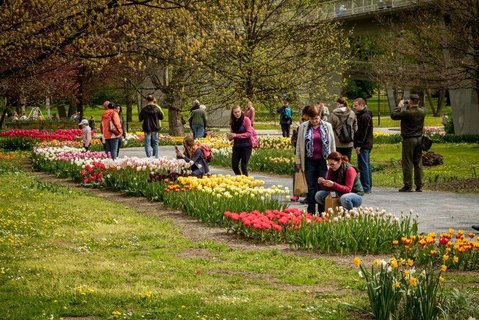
(343,179)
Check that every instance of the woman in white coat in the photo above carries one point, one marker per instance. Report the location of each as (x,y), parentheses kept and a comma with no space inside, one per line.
(315,143)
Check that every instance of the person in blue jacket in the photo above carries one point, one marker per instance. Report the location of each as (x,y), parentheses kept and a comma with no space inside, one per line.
(285,118)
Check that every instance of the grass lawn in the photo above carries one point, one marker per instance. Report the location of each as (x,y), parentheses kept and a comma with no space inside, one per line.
(461,164)
(66,253)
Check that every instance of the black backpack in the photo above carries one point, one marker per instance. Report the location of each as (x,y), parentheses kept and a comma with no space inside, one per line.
(345,132)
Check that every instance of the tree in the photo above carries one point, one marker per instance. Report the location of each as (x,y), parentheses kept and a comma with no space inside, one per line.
(436,48)
(278,46)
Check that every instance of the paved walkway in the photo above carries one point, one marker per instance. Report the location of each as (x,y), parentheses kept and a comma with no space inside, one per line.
(437,211)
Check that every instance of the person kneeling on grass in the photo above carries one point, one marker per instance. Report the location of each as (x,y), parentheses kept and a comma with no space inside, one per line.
(342,178)
(194,155)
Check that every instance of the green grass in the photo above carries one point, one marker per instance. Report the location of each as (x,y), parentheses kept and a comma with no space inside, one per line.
(76,255)
(461,162)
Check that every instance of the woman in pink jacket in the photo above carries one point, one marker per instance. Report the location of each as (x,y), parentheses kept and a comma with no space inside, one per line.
(241,132)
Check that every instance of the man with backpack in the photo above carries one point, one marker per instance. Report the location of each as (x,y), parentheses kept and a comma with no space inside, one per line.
(151,115)
(285,118)
(344,124)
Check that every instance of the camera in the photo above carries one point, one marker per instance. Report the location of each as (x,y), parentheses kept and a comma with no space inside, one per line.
(406,103)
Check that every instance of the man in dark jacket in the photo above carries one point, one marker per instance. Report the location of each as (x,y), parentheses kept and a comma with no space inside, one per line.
(151,115)
(412,125)
(363,143)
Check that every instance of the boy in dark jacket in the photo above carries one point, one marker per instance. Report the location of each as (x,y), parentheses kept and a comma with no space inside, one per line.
(151,115)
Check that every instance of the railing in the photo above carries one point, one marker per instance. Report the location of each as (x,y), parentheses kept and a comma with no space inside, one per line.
(348,8)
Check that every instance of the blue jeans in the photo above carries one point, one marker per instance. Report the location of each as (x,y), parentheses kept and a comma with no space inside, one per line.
(151,144)
(364,167)
(348,200)
(111,147)
(198,131)
(314,168)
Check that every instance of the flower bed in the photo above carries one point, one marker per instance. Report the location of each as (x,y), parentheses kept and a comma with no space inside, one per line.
(455,250)
(358,230)
(398,290)
(206,198)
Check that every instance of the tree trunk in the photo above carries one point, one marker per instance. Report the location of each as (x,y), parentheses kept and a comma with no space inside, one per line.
(62,113)
(129,113)
(71,107)
(431,104)
(81,87)
(440,102)
(4,113)
(174,103)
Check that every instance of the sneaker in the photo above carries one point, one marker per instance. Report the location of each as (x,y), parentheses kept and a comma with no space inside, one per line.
(475,227)
(303,201)
(404,189)
(294,198)
(418,189)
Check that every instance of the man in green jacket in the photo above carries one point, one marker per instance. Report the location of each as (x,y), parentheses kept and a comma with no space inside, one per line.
(412,125)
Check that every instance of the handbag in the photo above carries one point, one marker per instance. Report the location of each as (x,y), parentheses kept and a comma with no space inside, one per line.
(426,142)
(300,184)
(331,203)
(253,139)
(112,128)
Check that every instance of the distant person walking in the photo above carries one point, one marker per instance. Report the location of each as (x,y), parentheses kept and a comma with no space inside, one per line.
(249,112)
(315,143)
(111,130)
(285,118)
(198,120)
(363,143)
(241,131)
(151,115)
(412,125)
(345,124)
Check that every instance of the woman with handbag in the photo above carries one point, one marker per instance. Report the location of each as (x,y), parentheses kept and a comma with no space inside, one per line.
(111,130)
(342,178)
(315,142)
(241,134)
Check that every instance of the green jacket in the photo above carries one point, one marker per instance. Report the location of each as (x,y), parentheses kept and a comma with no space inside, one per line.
(412,121)
(198,116)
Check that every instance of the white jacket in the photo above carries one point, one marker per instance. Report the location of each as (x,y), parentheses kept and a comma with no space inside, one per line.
(301,144)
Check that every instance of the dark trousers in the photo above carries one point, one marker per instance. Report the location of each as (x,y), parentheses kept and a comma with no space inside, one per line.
(412,160)
(345,151)
(314,168)
(241,154)
(285,130)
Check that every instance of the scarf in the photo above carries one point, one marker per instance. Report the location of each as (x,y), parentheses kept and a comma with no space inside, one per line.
(324,140)
(237,123)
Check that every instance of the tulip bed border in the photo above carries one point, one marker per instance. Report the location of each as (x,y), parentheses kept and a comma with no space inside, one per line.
(261,213)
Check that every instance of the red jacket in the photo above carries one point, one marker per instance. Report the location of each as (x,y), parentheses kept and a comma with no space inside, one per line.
(110,114)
